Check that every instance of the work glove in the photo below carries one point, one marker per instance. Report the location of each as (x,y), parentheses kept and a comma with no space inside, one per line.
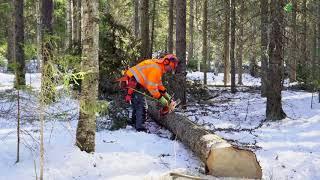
(167,96)
(128,98)
(163,101)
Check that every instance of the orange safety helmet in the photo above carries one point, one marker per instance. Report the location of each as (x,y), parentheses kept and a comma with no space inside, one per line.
(171,60)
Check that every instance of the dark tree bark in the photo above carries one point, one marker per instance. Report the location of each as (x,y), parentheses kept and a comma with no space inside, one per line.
(315,53)
(47,93)
(314,49)
(86,129)
(181,51)
(39,37)
(145,37)
(294,44)
(46,50)
(318,48)
(226,47)
(205,41)
(68,38)
(240,42)
(73,22)
(11,39)
(304,38)
(191,30)
(253,63)
(154,15)
(264,6)
(170,30)
(19,44)
(77,25)
(274,109)
(136,18)
(233,43)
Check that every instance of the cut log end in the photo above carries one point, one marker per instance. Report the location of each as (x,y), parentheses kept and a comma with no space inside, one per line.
(233,162)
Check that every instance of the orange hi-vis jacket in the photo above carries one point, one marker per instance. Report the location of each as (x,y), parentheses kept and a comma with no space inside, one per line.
(148,74)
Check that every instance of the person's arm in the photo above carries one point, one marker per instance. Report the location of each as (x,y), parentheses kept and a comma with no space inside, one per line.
(164,92)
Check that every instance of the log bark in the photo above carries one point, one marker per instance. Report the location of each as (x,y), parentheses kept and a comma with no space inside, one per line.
(221,158)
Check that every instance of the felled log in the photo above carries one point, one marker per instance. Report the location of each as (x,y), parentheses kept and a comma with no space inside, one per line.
(221,158)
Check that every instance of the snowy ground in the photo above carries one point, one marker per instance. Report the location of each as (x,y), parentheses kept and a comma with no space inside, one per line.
(288,149)
(32,79)
(123,154)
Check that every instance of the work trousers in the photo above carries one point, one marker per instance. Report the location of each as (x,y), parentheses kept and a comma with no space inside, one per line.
(139,108)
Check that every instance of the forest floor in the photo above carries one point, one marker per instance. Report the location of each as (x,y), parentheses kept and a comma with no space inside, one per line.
(287,149)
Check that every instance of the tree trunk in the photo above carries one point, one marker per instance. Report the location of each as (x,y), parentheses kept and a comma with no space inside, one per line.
(314,49)
(11,39)
(205,42)
(180,77)
(240,43)
(154,15)
(170,30)
(233,43)
(221,159)
(18,127)
(274,109)
(191,31)
(86,129)
(226,55)
(136,18)
(264,6)
(294,45)
(304,59)
(145,46)
(47,87)
(39,40)
(73,22)
(253,63)
(78,25)
(318,48)
(19,44)
(69,24)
